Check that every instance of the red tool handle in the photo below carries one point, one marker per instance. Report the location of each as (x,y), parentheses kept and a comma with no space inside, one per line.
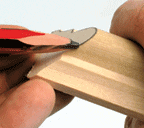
(17,33)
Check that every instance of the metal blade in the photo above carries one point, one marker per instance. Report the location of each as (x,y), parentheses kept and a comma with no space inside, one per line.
(80,36)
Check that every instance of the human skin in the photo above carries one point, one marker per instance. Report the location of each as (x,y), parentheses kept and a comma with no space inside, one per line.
(29,103)
(25,103)
(128,22)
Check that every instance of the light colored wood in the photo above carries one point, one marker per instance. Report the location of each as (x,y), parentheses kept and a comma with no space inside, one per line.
(107,70)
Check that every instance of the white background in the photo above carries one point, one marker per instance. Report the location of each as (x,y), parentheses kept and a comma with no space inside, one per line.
(49,15)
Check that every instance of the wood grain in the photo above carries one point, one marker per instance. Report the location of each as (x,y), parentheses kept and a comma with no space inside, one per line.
(107,70)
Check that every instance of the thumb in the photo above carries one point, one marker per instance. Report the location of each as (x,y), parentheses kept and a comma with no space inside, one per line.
(128,21)
(28,105)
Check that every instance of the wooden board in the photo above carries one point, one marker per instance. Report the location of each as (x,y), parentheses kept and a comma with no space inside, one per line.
(107,70)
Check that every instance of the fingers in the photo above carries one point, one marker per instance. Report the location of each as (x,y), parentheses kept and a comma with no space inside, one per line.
(3,83)
(128,122)
(133,123)
(7,61)
(128,21)
(28,105)
(62,100)
(17,73)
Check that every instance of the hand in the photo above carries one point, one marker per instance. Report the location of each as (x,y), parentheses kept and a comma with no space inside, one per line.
(128,22)
(23,102)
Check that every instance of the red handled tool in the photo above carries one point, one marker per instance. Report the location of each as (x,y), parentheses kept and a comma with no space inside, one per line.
(20,41)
